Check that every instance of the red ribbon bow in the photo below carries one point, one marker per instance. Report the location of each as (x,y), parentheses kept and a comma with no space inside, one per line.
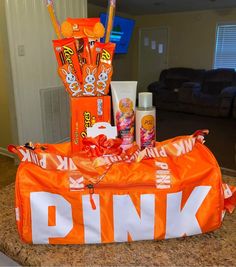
(100,145)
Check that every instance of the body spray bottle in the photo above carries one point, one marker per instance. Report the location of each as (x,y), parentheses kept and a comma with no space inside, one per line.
(145,121)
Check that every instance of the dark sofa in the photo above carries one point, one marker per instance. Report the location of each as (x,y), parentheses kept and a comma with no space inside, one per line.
(234,112)
(196,91)
(166,90)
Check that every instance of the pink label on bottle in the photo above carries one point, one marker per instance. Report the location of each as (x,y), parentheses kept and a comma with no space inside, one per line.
(147,132)
(125,121)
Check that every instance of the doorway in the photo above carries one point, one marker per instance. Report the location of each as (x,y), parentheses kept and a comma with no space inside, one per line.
(153,55)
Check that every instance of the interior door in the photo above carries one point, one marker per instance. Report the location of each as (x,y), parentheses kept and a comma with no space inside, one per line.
(153,43)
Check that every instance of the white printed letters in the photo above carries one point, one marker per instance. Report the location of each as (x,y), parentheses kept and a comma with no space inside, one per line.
(127,221)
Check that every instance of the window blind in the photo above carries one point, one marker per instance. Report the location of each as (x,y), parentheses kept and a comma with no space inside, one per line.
(225,51)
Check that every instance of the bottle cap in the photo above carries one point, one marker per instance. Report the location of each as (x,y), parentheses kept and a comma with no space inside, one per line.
(145,100)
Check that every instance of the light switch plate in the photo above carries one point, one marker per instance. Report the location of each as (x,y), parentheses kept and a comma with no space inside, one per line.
(21,50)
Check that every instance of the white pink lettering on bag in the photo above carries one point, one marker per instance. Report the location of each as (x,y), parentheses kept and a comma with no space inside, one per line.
(53,161)
(126,219)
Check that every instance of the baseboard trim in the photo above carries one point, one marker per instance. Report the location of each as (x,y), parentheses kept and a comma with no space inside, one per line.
(5,152)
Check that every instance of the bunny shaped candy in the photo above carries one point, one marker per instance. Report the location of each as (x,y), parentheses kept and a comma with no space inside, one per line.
(103,77)
(89,80)
(70,81)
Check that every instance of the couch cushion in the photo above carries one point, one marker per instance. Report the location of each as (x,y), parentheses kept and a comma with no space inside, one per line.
(172,84)
(220,75)
(167,96)
(206,100)
(187,74)
(215,87)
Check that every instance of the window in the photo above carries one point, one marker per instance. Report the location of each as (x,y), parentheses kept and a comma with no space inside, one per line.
(225,51)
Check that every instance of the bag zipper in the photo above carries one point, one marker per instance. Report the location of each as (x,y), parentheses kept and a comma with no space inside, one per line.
(107,186)
(91,191)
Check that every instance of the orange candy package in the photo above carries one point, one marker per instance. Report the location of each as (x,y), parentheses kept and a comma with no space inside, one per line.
(103,53)
(89,80)
(70,80)
(79,27)
(107,52)
(168,191)
(93,79)
(103,79)
(85,112)
(102,56)
(66,52)
(83,50)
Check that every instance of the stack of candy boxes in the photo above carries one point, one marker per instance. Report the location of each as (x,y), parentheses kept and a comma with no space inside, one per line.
(85,68)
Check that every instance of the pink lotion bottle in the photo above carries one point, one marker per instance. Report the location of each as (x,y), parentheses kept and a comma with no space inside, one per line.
(145,118)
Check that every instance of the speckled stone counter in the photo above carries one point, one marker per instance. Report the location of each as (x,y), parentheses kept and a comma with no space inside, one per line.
(217,248)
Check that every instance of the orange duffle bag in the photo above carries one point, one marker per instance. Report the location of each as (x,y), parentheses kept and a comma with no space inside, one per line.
(102,194)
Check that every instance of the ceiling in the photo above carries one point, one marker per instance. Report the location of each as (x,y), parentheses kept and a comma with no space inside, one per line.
(143,7)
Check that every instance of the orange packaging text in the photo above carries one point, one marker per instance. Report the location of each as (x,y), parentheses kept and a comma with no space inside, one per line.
(65,51)
(85,111)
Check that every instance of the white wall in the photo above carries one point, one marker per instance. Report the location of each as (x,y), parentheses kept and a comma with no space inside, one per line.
(191,36)
(6,103)
(29,25)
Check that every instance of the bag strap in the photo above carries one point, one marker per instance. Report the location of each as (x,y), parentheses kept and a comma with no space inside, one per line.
(229,197)
(99,151)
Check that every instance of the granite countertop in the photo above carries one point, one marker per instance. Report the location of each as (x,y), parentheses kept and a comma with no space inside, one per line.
(215,248)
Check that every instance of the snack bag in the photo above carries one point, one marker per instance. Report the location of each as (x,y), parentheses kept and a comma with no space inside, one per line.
(85,112)
(78,27)
(65,51)
(96,53)
(103,53)
(83,50)
(107,53)
(70,80)
(102,56)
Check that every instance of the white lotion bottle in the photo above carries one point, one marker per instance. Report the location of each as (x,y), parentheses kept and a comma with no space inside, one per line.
(145,118)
